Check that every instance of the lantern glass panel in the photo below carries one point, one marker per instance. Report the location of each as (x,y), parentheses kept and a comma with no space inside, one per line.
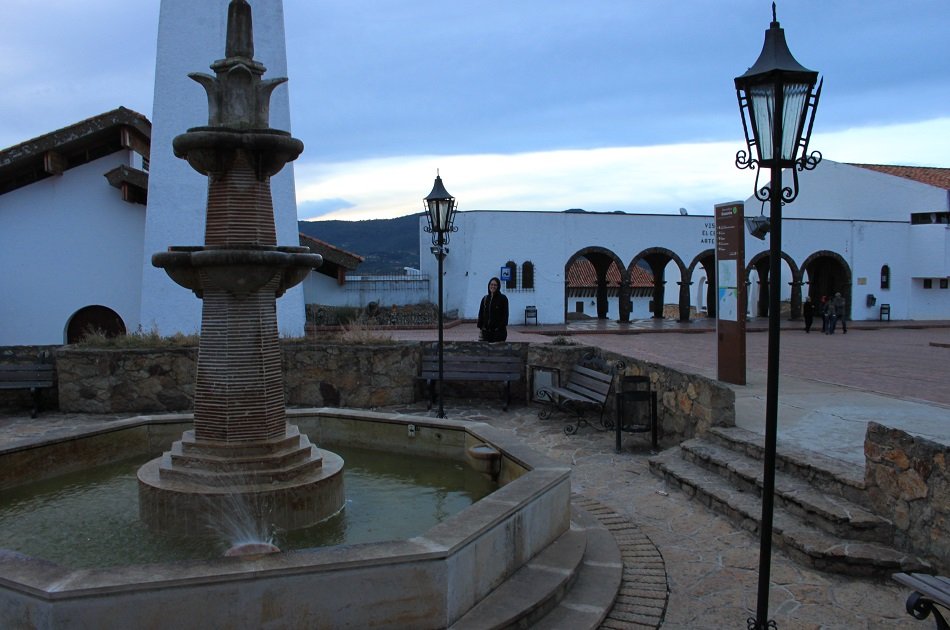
(796,100)
(762,106)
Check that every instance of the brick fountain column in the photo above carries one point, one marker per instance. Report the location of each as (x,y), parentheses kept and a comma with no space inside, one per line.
(242,454)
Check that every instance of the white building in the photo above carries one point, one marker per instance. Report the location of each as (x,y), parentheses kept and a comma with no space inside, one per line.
(73,232)
(72,227)
(877,234)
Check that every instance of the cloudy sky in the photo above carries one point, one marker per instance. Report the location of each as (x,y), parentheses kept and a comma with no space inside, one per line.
(527,105)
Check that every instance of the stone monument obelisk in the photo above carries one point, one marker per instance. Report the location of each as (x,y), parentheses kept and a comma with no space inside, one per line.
(189,36)
(241,451)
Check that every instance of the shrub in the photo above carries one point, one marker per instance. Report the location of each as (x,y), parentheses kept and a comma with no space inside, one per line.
(97,338)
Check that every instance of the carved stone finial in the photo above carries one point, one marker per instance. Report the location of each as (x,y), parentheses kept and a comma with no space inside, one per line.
(238,98)
(240,38)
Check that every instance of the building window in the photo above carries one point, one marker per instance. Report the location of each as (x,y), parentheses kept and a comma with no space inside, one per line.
(886,277)
(513,280)
(527,275)
(929,218)
(928,283)
(943,283)
(579,306)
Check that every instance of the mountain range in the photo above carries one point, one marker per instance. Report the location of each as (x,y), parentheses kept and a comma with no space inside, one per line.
(388,245)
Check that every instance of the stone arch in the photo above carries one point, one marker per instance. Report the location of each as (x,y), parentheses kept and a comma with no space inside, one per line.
(601,258)
(658,258)
(760,264)
(95,318)
(707,260)
(828,273)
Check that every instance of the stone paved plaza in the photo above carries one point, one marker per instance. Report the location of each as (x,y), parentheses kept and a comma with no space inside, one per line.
(710,565)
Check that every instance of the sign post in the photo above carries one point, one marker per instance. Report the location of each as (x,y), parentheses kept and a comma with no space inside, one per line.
(730,293)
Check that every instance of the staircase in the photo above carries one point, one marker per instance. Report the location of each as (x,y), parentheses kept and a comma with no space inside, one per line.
(820,516)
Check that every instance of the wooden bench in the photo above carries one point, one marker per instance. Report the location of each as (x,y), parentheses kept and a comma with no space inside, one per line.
(588,386)
(498,367)
(930,591)
(32,376)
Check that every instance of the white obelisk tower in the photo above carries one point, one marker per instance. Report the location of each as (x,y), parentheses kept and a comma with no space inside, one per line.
(190,34)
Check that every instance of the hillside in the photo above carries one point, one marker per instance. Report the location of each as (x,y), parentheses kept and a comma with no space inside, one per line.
(388,245)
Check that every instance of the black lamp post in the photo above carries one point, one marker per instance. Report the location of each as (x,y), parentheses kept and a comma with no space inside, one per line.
(440,212)
(777,100)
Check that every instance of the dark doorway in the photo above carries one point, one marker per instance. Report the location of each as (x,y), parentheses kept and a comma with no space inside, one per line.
(94,319)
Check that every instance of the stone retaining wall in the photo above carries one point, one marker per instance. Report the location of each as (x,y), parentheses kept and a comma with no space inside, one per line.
(688,404)
(908,481)
(318,374)
(106,380)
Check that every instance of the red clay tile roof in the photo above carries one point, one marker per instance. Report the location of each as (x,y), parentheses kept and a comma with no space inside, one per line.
(939,177)
(581,274)
(79,143)
(339,255)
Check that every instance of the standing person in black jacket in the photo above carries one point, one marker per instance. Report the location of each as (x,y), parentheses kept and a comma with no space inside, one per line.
(493,313)
(808,310)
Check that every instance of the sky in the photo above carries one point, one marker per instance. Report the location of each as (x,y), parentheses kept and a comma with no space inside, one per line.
(605,105)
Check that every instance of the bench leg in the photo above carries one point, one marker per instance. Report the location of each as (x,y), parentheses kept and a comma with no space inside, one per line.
(654,429)
(920,607)
(579,420)
(507,395)
(431,398)
(36,402)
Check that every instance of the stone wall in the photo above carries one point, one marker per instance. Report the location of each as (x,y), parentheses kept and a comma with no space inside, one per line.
(318,374)
(908,481)
(106,380)
(687,404)
(331,374)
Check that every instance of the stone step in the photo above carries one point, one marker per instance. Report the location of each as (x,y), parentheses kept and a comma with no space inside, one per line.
(292,453)
(594,591)
(533,595)
(841,478)
(802,541)
(213,477)
(262,448)
(835,515)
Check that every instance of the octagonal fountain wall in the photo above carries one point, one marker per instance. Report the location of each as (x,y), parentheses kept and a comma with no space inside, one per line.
(427,581)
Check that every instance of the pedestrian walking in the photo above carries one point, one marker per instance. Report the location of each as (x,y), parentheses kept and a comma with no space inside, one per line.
(808,311)
(839,307)
(823,311)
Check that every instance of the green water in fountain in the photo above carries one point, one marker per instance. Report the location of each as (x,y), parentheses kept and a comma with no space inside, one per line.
(91,519)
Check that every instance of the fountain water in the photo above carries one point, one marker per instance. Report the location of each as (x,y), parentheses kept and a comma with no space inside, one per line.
(241,445)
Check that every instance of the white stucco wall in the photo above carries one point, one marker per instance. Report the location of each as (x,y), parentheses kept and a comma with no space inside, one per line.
(860,215)
(841,191)
(67,242)
(191,36)
(487,239)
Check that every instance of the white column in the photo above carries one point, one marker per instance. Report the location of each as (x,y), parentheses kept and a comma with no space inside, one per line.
(190,38)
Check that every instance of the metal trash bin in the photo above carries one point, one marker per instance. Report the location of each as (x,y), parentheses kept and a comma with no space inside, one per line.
(635,408)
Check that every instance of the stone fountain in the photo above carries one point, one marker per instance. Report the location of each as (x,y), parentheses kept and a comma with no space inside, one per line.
(242,450)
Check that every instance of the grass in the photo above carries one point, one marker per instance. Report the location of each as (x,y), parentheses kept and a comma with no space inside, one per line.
(97,338)
(359,332)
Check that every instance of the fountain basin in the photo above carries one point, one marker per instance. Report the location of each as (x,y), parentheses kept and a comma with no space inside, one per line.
(428,581)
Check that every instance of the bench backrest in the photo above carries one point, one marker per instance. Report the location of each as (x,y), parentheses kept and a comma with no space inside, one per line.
(27,375)
(476,365)
(593,384)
